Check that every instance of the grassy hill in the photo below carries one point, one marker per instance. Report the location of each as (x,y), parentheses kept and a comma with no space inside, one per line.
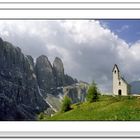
(107,108)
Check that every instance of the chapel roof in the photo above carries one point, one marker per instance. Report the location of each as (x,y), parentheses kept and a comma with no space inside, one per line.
(116,67)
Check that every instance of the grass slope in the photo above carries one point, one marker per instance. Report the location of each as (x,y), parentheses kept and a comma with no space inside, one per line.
(107,108)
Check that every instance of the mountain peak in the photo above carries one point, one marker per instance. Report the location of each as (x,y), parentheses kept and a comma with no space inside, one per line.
(1,41)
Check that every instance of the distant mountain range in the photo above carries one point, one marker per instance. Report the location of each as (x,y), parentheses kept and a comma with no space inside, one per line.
(28,88)
(135,87)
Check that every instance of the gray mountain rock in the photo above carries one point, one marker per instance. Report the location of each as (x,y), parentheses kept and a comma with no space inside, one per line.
(68,80)
(28,88)
(18,85)
(77,92)
(51,79)
(58,72)
(45,75)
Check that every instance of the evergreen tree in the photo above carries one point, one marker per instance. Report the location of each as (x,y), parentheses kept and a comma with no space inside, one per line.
(92,93)
(66,104)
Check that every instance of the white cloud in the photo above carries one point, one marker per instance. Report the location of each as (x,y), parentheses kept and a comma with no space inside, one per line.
(88,49)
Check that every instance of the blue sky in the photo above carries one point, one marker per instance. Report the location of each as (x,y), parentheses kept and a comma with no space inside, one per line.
(128,30)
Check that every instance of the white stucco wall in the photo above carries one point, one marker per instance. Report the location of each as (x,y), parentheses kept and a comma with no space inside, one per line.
(123,86)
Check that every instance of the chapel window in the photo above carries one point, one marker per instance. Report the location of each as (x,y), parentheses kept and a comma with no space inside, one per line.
(119,83)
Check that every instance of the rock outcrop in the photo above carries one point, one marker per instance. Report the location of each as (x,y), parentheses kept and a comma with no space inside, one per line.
(19,95)
(58,72)
(45,76)
(51,79)
(68,80)
(77,92)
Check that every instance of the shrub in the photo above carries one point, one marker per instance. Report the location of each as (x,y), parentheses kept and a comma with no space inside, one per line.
(66,104)
(41,116)
(92,93)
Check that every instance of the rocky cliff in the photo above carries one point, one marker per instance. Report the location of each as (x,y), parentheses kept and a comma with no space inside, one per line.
(58,72)
(77,92)
(45,76)
(51,79)
(28,88)
(19,95)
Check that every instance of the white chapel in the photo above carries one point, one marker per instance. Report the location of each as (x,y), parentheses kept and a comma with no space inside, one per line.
(120,86)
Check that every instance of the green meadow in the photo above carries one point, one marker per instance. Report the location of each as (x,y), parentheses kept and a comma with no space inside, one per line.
(117,108)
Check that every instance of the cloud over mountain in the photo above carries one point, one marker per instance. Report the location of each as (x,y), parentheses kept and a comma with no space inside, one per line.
(88,49)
